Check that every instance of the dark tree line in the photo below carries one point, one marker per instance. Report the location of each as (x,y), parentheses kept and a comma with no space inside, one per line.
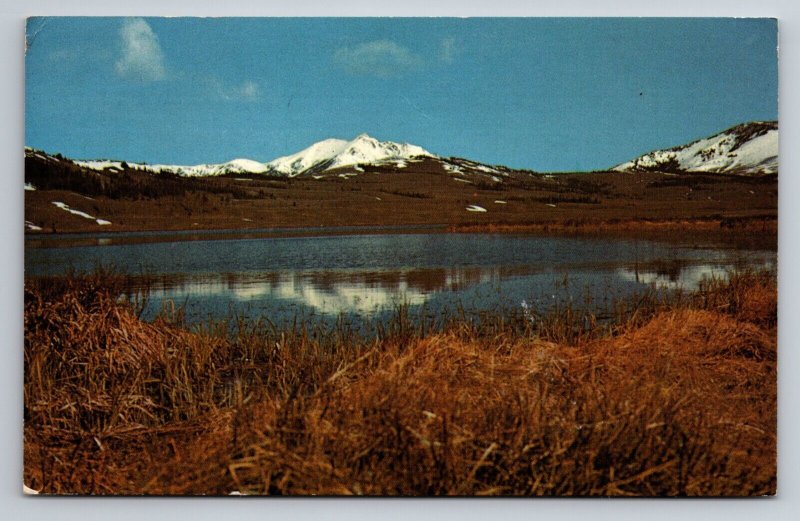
(129,183)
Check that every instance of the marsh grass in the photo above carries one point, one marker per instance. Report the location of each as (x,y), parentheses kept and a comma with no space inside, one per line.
(675,394)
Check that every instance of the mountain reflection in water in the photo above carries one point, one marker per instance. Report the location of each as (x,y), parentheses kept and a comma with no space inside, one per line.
(369,276)
(284,295)
(334,293)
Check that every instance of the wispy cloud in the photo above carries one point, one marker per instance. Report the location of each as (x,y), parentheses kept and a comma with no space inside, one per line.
(381,58)
(447,50)
(248,90)
(142,58)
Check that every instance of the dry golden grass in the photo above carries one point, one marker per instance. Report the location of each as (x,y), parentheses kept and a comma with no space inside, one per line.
(755,224)
(677,397)
(420,194)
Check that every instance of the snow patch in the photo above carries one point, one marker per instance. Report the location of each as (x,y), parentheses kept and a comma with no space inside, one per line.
(32,227)
(452,168)
(29,187)
(476,208)
(484,168)
(65,207)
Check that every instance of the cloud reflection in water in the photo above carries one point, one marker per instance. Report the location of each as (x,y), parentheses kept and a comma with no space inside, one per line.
(327,292)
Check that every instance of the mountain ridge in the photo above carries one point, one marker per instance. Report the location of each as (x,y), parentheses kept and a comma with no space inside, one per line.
(323,155)
(747,148)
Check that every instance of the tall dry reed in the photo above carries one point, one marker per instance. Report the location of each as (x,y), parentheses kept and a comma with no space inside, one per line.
(675,396)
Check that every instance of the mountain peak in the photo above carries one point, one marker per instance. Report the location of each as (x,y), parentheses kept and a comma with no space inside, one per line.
(336,153)
(322,155)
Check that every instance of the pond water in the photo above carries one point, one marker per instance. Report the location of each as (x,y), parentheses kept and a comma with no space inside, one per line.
(367,276)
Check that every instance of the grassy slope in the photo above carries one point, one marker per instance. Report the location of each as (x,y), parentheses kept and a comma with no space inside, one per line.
(422,193)
(677,397)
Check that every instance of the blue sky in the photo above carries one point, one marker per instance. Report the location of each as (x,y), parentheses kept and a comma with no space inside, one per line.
(547,94)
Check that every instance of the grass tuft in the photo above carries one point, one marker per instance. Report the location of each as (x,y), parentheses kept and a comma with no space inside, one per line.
(674,396)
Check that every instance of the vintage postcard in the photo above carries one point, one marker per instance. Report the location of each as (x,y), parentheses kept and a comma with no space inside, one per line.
(401,256)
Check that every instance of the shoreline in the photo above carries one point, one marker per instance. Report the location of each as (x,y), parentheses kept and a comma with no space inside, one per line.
(764,223)
(768,224)
(657,229)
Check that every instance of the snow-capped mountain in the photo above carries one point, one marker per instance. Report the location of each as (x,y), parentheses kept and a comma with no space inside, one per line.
(324,155)
(236,166)
(749,148)
(337,153)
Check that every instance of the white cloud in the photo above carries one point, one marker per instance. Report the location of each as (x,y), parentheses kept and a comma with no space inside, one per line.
(142,58)
(248,90)
(381,58)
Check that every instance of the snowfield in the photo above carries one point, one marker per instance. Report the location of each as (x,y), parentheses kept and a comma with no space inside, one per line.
(336,153)
(236,166)
(750,148)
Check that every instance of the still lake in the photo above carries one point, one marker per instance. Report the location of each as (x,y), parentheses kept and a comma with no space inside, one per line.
(368,275)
